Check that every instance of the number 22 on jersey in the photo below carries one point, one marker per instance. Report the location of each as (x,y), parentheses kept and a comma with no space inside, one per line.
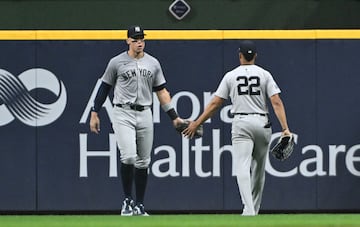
(248,85)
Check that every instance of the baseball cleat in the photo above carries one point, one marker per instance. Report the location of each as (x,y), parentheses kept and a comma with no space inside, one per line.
(139,210)
(127,207)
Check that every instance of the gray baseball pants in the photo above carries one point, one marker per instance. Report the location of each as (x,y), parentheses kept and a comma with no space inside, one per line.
(134,135)
(250,141)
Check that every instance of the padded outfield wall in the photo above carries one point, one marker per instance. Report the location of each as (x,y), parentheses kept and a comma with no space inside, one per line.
(51,162)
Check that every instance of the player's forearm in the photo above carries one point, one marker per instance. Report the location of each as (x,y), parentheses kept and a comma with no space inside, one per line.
(165,101)
(204,116)
(279,110)
(282,119)
(163,96)
(210,109)
(101,96)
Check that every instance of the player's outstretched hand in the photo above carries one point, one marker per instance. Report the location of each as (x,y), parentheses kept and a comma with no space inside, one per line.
(178,121)
(193,130)
(94,123)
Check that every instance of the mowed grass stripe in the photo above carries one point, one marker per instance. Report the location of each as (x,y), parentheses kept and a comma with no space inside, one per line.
(211,220)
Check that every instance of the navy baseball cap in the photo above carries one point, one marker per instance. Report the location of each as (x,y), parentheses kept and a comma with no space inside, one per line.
(248,49)
(135,32)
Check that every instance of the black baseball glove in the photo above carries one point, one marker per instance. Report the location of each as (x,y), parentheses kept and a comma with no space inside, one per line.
(283,148)
(182,126)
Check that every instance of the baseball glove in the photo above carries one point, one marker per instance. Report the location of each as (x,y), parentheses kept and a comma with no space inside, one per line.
(182,126)
(283,148)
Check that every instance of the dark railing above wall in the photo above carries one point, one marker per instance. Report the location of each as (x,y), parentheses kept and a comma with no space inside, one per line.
(204,14)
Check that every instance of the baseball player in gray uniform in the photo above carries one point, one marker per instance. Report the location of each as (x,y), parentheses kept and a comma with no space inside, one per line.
(134,74)
(248,87)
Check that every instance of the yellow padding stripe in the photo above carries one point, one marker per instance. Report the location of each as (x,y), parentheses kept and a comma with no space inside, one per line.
(178,34)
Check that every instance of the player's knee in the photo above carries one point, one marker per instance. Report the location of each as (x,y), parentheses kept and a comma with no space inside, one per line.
(128,160)
(142,163)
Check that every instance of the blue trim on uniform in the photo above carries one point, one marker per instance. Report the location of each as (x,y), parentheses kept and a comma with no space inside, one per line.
(101,95)
(160,87)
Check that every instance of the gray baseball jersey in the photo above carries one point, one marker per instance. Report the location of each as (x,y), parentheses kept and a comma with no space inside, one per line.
(248,86)
(133,79)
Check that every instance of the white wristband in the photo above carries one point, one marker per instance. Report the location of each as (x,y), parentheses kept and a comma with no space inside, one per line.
(166,107)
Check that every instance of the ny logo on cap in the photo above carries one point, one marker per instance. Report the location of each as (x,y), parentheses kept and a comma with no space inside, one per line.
(137,29)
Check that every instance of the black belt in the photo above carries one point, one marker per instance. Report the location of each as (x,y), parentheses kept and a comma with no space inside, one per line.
(261,114)
(132,106)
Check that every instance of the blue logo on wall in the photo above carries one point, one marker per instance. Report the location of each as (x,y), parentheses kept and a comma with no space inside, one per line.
(16,101)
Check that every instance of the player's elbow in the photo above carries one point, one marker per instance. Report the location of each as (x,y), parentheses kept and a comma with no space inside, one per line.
(216,102)
(163,95)
(276,101)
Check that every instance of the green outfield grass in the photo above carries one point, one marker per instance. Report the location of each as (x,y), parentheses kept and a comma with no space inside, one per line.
(191,220)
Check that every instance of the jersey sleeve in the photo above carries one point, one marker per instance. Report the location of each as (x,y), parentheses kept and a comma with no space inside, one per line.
(110,73)
(223,90)
(159,78)
(272,88)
